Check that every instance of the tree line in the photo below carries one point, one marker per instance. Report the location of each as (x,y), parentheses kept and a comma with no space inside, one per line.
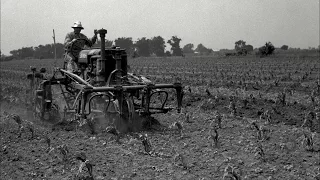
(40,52)
(242,49)
(145,47)
(155,46)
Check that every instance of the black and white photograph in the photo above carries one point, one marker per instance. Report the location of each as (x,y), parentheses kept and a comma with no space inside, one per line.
(160,90)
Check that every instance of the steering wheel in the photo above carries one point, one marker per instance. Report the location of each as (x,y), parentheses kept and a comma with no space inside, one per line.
(77,46)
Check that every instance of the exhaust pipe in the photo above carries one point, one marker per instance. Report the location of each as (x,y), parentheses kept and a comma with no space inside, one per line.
(102,61)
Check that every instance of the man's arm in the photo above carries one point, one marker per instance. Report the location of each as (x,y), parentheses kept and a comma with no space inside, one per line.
(67,41)
(94,39)
(91,41)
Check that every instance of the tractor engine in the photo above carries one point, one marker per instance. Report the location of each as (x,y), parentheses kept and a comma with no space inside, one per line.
(101,62)
(103,67)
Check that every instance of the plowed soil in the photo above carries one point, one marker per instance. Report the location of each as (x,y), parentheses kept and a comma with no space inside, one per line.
(187,154)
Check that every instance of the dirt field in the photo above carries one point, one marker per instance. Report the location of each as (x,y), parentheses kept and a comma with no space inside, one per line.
(260,136)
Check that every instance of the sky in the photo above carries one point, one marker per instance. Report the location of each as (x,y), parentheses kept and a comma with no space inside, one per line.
(217,24)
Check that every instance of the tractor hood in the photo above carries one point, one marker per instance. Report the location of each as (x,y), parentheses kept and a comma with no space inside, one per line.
(90,52)
(109,51)
(86,54)
(93,57)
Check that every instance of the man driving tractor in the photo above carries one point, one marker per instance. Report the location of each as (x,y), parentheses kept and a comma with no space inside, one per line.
(71,58)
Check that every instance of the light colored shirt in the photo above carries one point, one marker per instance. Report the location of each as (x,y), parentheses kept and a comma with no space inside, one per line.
(71,35)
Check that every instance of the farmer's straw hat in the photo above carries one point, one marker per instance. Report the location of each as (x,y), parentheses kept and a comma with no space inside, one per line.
(77,24)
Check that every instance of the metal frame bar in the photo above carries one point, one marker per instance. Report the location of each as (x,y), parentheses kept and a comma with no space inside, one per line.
(82,97)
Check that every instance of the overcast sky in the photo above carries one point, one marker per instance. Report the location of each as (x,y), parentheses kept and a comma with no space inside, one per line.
(216,24)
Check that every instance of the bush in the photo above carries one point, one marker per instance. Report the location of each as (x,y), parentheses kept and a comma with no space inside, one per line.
(284,47)
(266,50)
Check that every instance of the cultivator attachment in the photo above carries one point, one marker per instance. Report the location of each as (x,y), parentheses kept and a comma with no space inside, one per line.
(40,95)
(101,91)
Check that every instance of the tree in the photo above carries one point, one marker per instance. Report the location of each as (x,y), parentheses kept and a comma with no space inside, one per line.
(239,45)
(188,48)
(267,49)
(157,46)
(284,47)
(15,53)
(44,52)
(41,51)
(26,52)
(249,48)
(143,47)
(242,48)
(125,43)
(203,50)
(175,46)
(47,51)
(60,50)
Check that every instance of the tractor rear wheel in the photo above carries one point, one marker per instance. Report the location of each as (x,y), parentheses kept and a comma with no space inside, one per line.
(43,107)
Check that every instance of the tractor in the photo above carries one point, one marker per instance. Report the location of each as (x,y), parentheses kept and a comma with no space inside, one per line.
(102,92)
